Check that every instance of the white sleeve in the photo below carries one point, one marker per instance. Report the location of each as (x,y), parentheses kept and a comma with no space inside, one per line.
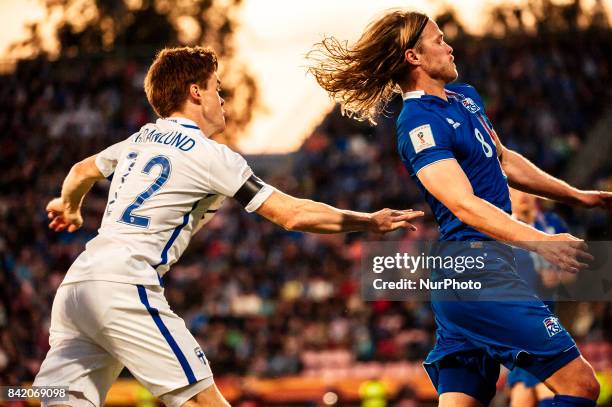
(259,198)
(106,160)
(228,173)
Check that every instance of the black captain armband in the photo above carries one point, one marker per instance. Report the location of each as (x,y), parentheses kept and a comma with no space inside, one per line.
(248,190)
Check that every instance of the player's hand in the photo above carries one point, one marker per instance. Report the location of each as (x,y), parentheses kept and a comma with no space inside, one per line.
(566,252)
(60,218)
(387,220)
(596,199)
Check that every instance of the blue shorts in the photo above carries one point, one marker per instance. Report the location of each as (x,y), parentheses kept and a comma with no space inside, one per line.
(474,336)
(518,375)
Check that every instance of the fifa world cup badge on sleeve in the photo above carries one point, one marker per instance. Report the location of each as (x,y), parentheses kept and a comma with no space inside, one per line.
(422,138)
(552,326)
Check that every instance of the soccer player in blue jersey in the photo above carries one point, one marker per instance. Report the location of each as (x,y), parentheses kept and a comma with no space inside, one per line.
(452,152)
(525,389)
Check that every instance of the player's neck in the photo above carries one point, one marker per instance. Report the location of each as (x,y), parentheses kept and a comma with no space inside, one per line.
(194,117)
(426,84)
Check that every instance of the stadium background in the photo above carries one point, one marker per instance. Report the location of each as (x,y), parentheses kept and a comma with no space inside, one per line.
(278,313)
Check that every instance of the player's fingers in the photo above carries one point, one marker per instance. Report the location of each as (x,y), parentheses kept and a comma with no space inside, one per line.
(54,222)
(579,250)
(584,255)
(579,244)
(399,217)
(59,224)
(73,228)
(61,227)
(408,215)
(574,264)
(607,195)
(404,225)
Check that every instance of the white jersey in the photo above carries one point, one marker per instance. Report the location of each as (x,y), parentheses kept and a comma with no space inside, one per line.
(169,179)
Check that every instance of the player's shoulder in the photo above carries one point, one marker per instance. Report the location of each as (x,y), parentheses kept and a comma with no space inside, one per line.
(215,146)
(417,110)
(463,90)
(416,113)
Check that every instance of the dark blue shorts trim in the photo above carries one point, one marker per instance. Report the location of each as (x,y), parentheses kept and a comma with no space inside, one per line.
(142,292)
(544,368)
(518,375)
(473,373)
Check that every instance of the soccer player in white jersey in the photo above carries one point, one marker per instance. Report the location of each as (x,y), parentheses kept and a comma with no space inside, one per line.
(168,181)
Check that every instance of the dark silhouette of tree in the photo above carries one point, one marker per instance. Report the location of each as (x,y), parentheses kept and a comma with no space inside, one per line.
(138,29)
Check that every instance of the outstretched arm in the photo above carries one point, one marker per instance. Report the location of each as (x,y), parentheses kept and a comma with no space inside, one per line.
(305,215)
(446,181)
(65,212)
(525,176)
(231,176)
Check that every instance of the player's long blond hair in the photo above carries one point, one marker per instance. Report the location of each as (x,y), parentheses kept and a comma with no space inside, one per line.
(364,76)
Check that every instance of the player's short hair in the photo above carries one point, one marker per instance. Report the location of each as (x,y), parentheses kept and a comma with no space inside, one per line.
(173,70)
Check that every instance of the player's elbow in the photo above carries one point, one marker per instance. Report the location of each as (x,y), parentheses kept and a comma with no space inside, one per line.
(86,170)
(79,170)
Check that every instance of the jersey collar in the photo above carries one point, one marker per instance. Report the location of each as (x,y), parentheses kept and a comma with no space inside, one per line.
(415,94)
(420,94)
(184,123)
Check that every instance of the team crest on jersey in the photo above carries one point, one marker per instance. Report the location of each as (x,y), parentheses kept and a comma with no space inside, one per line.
(422,138)
(200,355)
(470,105)
(552,325)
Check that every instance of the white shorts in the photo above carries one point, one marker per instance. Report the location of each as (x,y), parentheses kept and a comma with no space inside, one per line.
(98,327)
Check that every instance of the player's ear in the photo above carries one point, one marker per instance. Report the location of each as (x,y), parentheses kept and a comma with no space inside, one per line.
(195,93)
(412,57)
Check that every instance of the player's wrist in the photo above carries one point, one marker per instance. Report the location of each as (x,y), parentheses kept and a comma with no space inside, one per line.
(71,207)
(581,197)
(370,222)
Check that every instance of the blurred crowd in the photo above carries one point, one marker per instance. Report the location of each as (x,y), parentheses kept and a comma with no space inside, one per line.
(263,301)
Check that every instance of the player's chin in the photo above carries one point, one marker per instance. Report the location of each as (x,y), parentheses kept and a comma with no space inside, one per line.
(452,75)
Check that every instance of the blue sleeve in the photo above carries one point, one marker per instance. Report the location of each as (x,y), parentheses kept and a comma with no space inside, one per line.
(424,139)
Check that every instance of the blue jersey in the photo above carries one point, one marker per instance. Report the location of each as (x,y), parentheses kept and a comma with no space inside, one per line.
(430,129)
(476,331)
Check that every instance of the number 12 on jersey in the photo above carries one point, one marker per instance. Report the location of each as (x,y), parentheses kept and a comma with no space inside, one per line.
(143,221)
